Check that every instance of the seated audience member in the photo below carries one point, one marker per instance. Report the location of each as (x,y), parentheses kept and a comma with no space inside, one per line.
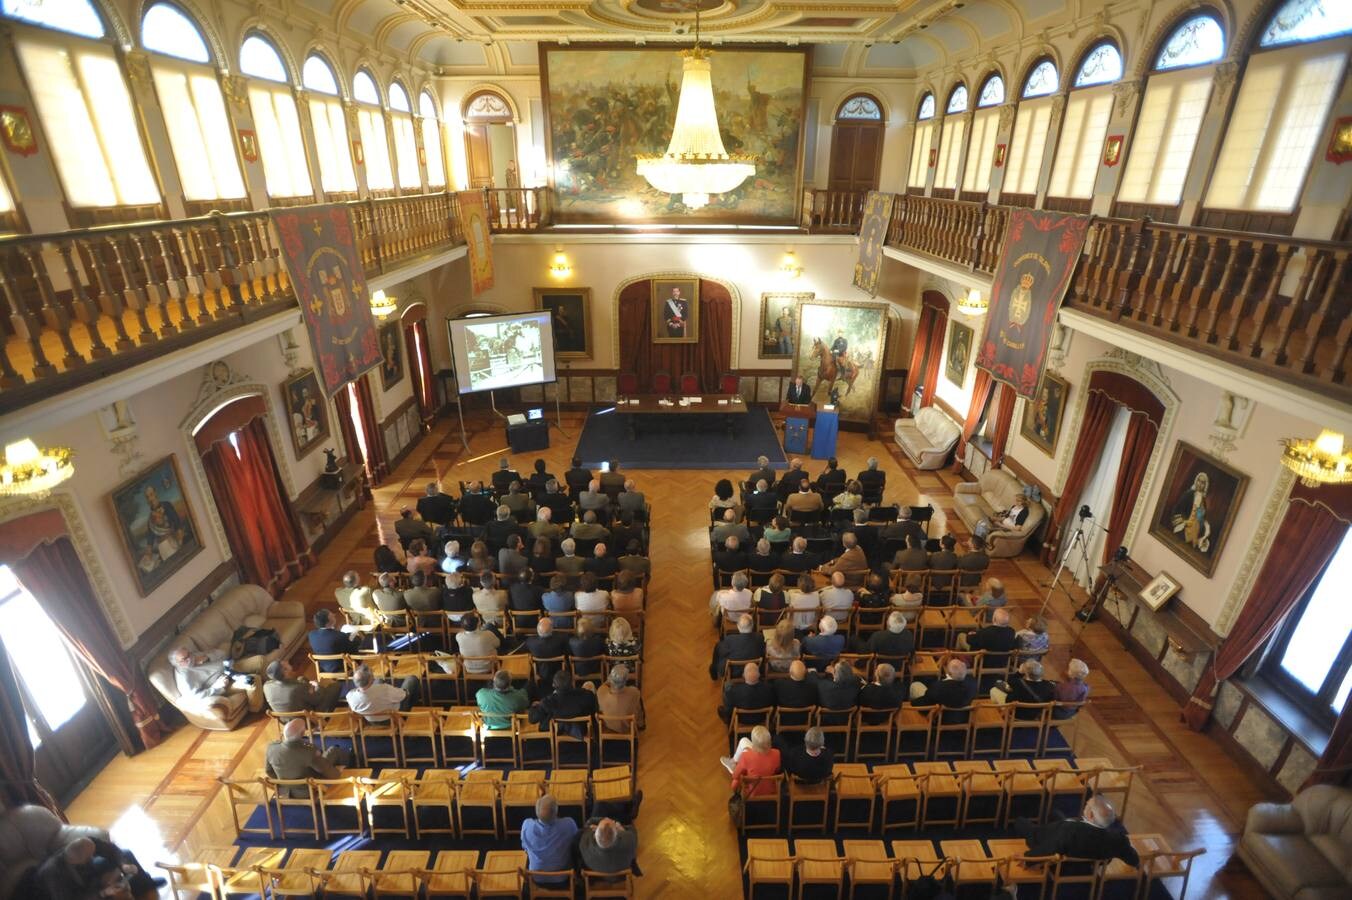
(539,477)
(490,601)
(387,560)
(1025,686)
(511,558)
(996,638)
(763,557)
(875,594)
(910,599)
(792,478)
(885,692)
(745,643)
(732,601)
(631,500)
(913,558)
(634,561)
(1032,639)
(577,478)
(501,527)
(586,647)
(458,598)
(799,690)
(724,498)
(798,559)
(621,640)
(354,598)
(994,595)
(749,693)
(803,500)
(287,692)
(409,528)
(570,563)
(476,507)
(955,690)
(608,846)
(558,599)
(731,558)
(548,839)
(479,560)
(627,598)
(945,558)
(1072,690)
(546,644)
(825,645)
(419,560)
(499,701)
(762,503)
(763,472)
(832,478)
(778,531)
(1012,518)
(612,482)
(728,527)
(894,642)
(770,600)
(865,534)
(837,601)
(327,640)
(452,560)
(85,869)
(601,564)
(504,476)
(851,562)
(1096,834)
(872,477)
(591,599)
(293,758)
(781,647)
(973,564)
(852,497)
(556,502)
(477,644)
(904,528)
(617,697)
(804,602)
(517,501)
(541,557)
(207,675)
(374,700)
(593,500)
(389,599)
(626,530)
(435,507)
(754,758)
(543,526)
(422,597)
(810,763)
(841,690)
(564,702)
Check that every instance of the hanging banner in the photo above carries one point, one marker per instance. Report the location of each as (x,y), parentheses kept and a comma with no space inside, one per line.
(1040,252)
(872,232)
(321,256)
(479,237)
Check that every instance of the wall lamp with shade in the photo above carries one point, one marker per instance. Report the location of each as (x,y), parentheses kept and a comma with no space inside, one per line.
(559,266)
(790,266)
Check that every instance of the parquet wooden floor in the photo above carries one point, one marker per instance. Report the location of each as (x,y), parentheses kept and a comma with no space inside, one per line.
(165,804)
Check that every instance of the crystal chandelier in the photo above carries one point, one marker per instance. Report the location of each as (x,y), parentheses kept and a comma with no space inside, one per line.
(33,472)
(696,163)
(972,303)
(1320,461)
(382,306)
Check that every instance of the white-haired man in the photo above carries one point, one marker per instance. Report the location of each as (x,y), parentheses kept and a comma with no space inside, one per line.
(826,644)
(208,678)
(293,758)
(732,601)
(1095,834)
(374,700)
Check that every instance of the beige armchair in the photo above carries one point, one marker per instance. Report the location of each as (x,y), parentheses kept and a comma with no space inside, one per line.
(246,604)
(28,835)
(992,493)
(1302,850)
(927,439)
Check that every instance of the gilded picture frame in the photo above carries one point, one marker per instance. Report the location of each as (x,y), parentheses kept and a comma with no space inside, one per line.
(777,337)
(675,310)
(391,354)
(958,353)
(1042,415)
(307,412)
(1197,505)
(850,379)
(571,315)
(1159,591)
(156,524)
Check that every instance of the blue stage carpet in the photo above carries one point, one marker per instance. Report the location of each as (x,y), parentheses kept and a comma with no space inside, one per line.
(669,446)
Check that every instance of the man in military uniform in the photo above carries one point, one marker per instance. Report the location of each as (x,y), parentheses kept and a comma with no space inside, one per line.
(784,328)
(287,692)
(293,758)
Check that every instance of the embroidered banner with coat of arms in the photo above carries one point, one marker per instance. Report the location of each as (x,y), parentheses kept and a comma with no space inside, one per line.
(321,256)
(872,232)
(478,237)
(1039,256)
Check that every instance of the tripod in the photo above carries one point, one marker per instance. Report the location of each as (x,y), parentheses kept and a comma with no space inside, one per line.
(1079,540)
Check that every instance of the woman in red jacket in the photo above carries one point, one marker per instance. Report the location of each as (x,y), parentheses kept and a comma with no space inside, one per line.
(756,759)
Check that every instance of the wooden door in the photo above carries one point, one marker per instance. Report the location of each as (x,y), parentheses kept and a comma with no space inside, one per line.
(856,156)
(478,155)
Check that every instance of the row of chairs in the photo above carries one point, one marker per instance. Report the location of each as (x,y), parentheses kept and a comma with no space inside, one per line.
(923,622)
(986,666)
(984,729)
(469,673)
(915,866)
(460,735)
(273,872)
(627,383)
(393,626)
(939,587)
(484,802)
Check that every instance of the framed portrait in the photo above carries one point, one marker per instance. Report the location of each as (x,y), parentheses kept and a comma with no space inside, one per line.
(959,353)
(1197,506)
(838,349)
(391,355)
(1042,415)
(675,310)
(1160,589)
(156,523)
(571,308)
(778,318)
(307,412)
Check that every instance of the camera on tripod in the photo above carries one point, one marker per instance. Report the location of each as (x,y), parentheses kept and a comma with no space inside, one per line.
(1085,513)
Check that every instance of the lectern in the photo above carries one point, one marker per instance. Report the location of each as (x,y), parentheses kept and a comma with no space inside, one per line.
(824,434)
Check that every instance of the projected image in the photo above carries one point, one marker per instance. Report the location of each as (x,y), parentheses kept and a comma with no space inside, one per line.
(503,354)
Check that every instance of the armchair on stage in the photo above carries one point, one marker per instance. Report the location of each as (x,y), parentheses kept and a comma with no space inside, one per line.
(247,604)
(983,498)
(929,438)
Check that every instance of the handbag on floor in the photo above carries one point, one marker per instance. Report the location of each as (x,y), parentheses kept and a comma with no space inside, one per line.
(737,808)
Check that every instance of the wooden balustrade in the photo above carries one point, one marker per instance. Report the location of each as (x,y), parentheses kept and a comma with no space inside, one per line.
(833,212)
(517,209)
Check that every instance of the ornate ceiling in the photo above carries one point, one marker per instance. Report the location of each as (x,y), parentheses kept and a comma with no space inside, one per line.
(854,37)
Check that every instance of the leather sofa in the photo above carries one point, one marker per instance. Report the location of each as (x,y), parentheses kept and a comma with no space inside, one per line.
(928,438)
(28,835)
(1302,850)
(247,604)
(991,493)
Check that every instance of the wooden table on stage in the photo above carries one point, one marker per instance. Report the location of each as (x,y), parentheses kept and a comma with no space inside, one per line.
(647,410)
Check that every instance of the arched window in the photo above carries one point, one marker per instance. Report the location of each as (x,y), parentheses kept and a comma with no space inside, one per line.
(194,107)
(83,104)
(976,174)
(957,100)
(861,107)
(992,91)
(330,126)
(926,108)
(280,144)
(856,145)
(1028,142)
(1043,79)
(405,144)
(1176,98)
(1282,110)
(1085,123)
(431,135)
(950,140)
(920,145)
(371,126)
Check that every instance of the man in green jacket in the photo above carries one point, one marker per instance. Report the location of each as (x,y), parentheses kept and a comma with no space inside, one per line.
(500,701)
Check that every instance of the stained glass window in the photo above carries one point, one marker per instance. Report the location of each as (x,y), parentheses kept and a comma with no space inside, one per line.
(364,88)
(1102,65)
(165,29)
(860,107)
(258,58)
(317,75)
(1307,20)
(1196,42)
(992,92)
(926,107)
(76,16)
(957,101)
(1043,80)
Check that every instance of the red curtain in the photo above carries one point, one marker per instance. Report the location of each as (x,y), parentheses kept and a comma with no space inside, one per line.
(914,375)
(259,522)
(375,444)
(934,357)
(18,782)
(420,368)
(54,575)
(1307,539)
(981,393)
(1099,410)
(350,442)
(1140,443)
(709,359)
(1004,420)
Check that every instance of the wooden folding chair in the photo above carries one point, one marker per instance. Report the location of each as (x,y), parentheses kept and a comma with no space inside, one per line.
(348,876)
(435,790)
(898,786)
(607,884)
(1064,723)
(914,732)
(383,731)
(565,742)
(769,863)
(763,805)
(942,789)
(916,860)
(458,731)
(397,875)
(990,728)
(1164,863)
(449,875)
(613,785)
(1023,788)
(792,720)
(1109,780)
(192,878)
(281,790)
(392,790)
(551,885)
(249,794)
(869,866)
(971,864)
(501,874)
(478,794)
(953,733)
(819,865)
(333,728)
(980,784)
(1015,868)
(617,732)
(802,793)
(1068,871)
(342,794)
(418,725)
(522,788)
(298,876)
(1027,731)
(853,785)
(246,875)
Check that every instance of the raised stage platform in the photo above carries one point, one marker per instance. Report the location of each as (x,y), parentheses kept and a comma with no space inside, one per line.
(679,445)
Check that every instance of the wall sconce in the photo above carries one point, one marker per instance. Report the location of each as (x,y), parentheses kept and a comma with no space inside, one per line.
(789,265)
(383,306)
(972,303)
(559,267)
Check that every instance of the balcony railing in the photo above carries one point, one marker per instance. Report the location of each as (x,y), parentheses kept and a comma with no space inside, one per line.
(518,209)
(1275,304)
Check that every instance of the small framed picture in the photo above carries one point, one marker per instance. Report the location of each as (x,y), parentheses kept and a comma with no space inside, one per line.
(1160,589)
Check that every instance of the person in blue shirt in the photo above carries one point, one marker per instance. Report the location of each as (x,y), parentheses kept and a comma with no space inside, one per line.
(558,599)
(826,644)
(327,640)
(548,839)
